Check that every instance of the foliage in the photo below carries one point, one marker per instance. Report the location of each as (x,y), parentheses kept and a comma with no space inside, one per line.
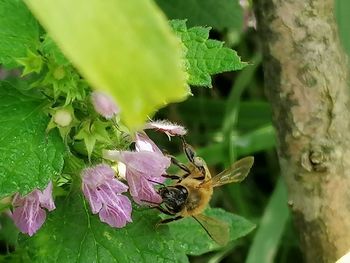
(30,158)
(19,32)
(52,131)
(95,240)
(145,63)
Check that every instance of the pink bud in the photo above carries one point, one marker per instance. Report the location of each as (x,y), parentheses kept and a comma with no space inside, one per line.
(104,104)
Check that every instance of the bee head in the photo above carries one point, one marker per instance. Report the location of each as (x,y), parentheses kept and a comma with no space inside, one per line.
(174,197)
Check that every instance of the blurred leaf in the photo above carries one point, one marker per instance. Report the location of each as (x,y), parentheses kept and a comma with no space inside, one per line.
(233,101)
(268,236)
(205,56)
(8,230)
(210,113)
(19,32)
(29,157)
(249,143)
(253,114)
(94,241)
(197,241)
(223,14)
(342,11)
(124,48)
(258,140)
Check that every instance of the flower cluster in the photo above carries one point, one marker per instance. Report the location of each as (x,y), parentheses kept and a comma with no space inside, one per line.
(144,168)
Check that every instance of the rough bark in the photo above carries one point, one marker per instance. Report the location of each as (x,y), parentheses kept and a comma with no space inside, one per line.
(306,82)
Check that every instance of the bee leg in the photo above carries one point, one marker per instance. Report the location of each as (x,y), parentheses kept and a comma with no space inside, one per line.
(179,164)
(171,176)
(188,150)
(163,210)
(151,202)
(168,220)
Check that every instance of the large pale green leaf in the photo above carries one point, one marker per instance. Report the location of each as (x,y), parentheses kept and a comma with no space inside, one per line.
(29,157)
(19,31)
(125,48)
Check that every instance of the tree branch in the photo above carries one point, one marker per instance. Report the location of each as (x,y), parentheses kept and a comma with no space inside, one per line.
(307,84)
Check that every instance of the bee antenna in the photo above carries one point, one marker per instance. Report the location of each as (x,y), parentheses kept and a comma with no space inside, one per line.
(151,202)
(156,182)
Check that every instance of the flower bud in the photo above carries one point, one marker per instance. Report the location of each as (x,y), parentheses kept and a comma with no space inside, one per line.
(62,117)
(104,104)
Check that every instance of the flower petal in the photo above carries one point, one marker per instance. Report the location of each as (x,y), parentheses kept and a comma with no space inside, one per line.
(144,143)
(142,190)
(150,164)
(93,199)
(29,218)
(98,175)
(118,213)
(46,199)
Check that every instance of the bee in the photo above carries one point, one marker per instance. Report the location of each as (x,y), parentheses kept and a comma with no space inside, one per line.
(190,193)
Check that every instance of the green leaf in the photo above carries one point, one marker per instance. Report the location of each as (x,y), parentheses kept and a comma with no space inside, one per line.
(253,115)
(260,139)
(205,56)
(8,231)
(19,32)
(223,14)
(342,9)
(140,241)
(29,157)
(124,48)
(94,241)
(197,241)
(271,227)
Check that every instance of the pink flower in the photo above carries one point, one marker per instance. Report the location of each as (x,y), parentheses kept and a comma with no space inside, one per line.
(103,191)
(167,127)
(104,104)
(28,214)
(143,170)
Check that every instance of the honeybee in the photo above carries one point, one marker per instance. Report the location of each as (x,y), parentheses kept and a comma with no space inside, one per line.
(190,193)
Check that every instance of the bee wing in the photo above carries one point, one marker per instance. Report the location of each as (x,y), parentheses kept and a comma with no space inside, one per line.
(235,174)
(218,230)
